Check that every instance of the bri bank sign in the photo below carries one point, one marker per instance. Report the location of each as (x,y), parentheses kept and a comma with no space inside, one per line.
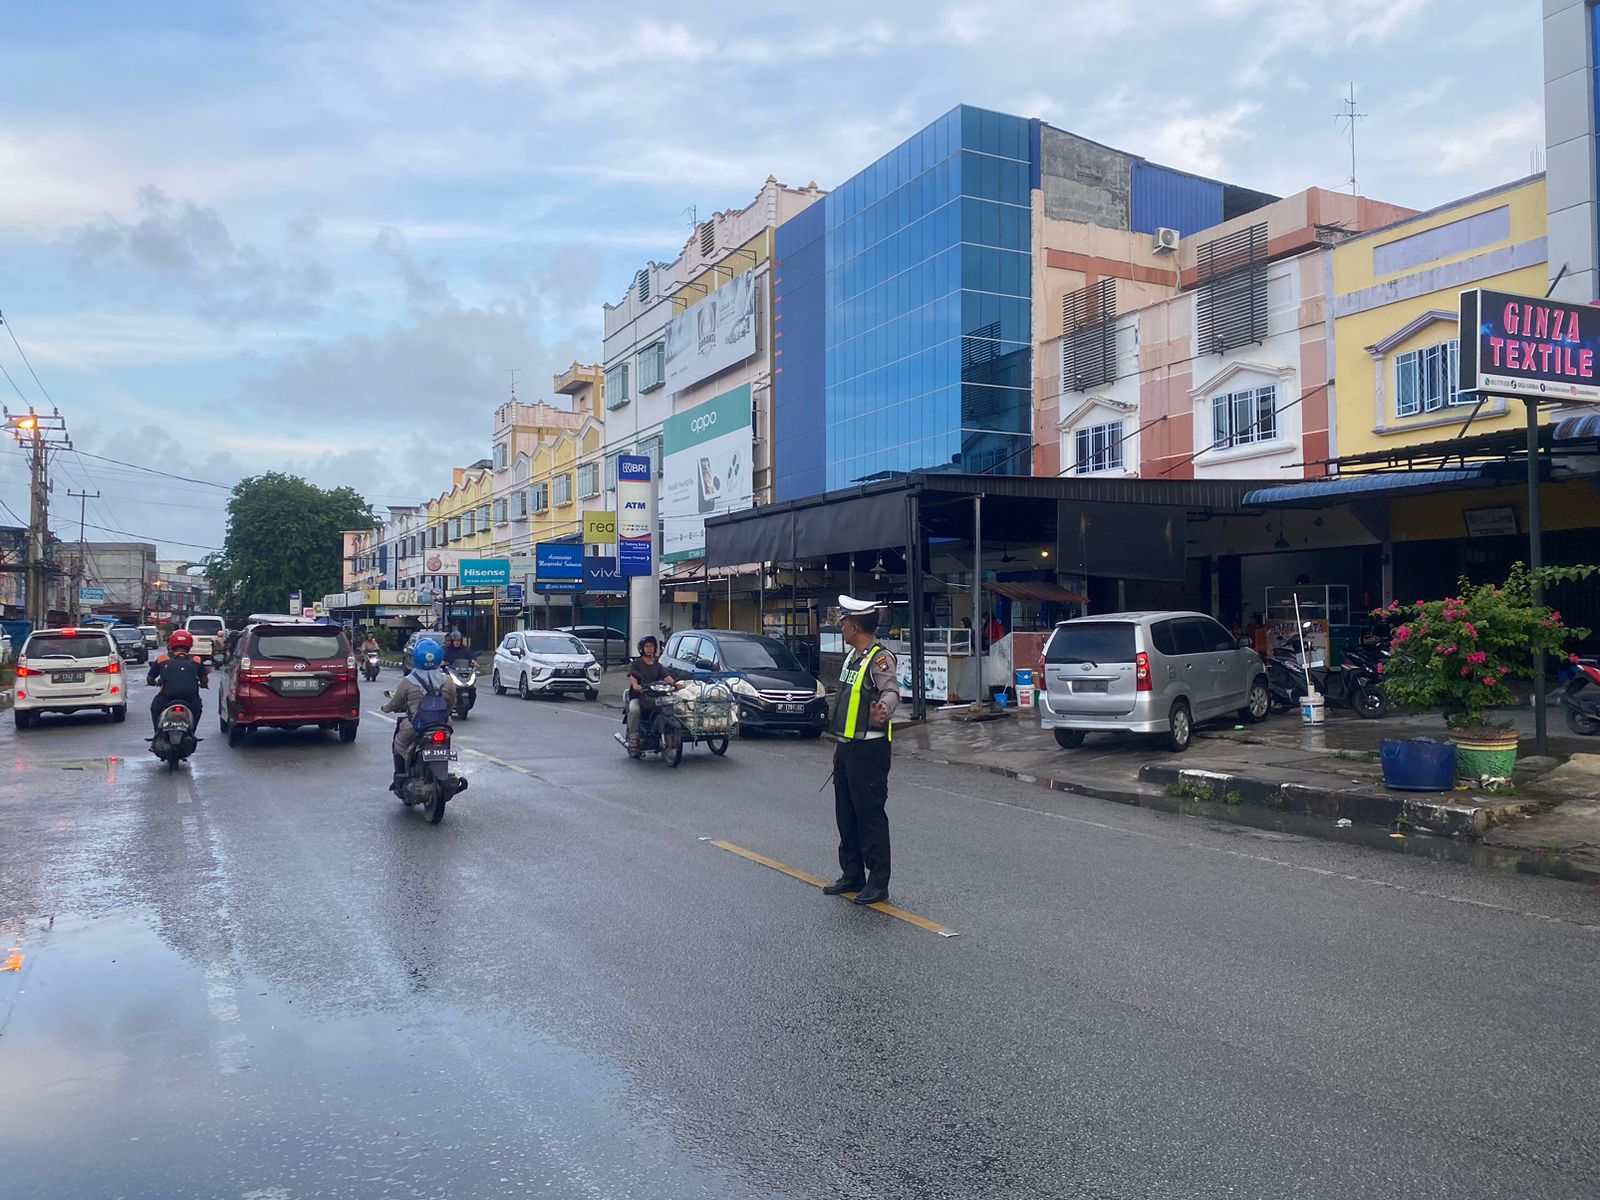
(636,516)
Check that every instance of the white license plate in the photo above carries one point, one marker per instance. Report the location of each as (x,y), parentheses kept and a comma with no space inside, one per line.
(792,709)
(68,676)
(436,754)
(1089,685)
(301,685)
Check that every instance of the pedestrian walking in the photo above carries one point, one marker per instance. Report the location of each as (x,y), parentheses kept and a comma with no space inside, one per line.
(862,723)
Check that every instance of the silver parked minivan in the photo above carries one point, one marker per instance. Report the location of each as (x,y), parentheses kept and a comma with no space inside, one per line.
(1147,672)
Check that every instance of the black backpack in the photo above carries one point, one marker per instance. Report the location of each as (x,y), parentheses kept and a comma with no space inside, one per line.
(180,677)
(434,710)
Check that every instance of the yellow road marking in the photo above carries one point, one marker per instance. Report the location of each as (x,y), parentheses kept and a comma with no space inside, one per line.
(794,873)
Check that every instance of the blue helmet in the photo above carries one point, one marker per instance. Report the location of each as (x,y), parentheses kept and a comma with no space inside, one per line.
(426,654)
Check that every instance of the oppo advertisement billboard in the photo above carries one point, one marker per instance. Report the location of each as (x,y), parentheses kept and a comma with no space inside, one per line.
(705,470)
(714,334)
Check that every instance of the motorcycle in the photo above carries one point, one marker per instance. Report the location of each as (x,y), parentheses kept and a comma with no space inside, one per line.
(711,717)
(370,666)
(1581,698)
(1356,685)
(428,782)
(174,738)
(465,677)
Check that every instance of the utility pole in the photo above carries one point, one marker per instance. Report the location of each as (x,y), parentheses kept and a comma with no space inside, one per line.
(1348,114)
(40,433)
(82,498)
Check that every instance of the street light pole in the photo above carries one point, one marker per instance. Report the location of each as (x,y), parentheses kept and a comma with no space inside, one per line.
(1541,730)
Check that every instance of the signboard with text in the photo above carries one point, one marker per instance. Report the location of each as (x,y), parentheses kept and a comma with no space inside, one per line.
(635,515)
(603,577)
(485,572)
(705,471)
(714,334)
(599,529)
(560,567)
(1529,346)
(91,595)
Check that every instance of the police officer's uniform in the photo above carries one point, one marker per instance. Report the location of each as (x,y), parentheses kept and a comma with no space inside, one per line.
(861,760)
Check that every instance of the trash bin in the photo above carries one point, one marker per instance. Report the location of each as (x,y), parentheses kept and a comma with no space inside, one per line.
(1418,765)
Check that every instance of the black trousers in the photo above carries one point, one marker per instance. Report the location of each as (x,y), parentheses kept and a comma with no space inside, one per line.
(860,794)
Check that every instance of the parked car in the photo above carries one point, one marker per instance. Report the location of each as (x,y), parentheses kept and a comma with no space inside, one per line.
(609,646)
(67,671)
(1147,672)
(130,644)
(287,675)
(152,637)
(774,690)
(542,663)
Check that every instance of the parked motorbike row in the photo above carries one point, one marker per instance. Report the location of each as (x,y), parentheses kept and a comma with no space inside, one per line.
(1356,684)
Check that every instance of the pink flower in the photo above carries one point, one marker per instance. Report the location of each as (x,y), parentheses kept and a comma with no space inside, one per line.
(1380,668)
(1488,681)
(1477,658)
(1505,670)
(1465,671)
(1449,614)
(1403,634)
(1393,604)
(1470,628)
(1555,616)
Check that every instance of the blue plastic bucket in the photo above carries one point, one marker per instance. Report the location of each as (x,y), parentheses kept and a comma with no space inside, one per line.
(1418,765)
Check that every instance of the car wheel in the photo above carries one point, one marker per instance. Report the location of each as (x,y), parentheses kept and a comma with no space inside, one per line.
(24,719)
(1257,701)
(235,734)
(522,689)
(222,717)
(119,715)
(811,735)
(347,732)
(494,682)
(1180,727)
(1069,739)
(592,694)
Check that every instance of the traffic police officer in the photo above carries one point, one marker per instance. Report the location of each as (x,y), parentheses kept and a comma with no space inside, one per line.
(862,724)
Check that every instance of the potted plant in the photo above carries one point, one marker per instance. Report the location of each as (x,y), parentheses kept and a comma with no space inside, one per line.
(1459,655)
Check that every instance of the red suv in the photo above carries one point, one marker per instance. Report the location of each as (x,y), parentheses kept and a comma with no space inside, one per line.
(287,674)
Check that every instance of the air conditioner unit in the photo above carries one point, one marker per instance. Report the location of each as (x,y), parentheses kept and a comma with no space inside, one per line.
(1165,241)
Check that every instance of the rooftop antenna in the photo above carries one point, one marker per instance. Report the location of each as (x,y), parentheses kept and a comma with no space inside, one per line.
(1349,116)
(693,213)
(513,374)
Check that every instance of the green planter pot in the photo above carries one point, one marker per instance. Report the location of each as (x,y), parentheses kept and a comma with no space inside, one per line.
(1485,757)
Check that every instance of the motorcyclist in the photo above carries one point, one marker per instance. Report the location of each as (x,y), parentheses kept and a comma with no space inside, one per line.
(370,646)
(425,676)
(180,676)
(645,670)
(456,653)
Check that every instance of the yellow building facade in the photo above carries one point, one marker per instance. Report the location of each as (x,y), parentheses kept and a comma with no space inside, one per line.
(1396,296)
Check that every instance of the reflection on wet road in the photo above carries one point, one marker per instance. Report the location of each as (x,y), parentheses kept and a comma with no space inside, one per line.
(261,977)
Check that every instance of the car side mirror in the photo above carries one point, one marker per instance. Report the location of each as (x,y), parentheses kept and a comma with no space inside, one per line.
(1245,643)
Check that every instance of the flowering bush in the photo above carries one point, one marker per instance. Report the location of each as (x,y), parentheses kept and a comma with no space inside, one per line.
(1459,653)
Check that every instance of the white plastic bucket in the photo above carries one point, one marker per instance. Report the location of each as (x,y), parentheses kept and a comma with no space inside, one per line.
(1311,709)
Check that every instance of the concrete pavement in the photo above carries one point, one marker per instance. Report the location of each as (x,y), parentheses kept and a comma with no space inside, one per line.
(262,977)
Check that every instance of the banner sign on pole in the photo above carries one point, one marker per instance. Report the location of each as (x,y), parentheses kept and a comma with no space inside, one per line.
(635,521)
(1529,346)
(599,529)
(559,567)
(602,577)
(294,604)
(485,572)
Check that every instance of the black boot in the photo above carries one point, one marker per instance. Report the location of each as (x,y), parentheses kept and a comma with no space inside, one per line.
(841,885)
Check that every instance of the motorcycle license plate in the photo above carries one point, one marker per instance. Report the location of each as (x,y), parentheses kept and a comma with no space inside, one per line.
(436,754)
(792,709)
(68,676)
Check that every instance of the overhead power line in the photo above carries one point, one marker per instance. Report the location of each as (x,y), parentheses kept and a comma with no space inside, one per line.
(150,537)
(153,471)
(25,361)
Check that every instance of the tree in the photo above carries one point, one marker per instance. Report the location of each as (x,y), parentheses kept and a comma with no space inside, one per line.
(283,536)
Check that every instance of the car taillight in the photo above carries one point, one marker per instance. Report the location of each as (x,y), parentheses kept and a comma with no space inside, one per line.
(109,669)
(351,662)
(23,672)
(439,736)
(244,663)
(1141,672)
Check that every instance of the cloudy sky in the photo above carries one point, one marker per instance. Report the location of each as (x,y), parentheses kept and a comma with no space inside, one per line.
(318,237)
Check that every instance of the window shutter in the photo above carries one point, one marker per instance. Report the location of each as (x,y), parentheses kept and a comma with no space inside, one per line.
(1089,337)
(1231,302)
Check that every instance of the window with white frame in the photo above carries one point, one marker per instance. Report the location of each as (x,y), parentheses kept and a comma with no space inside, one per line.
(483,519)
(541,497)
(502,455)
(652,367)
(519,504)
(651,449)
(469,523)
(1425,380)
(455,529)
(563,488)
(588,480)
(1245,417)
(617,386)
(502,512)
(1098,448)
(611,471)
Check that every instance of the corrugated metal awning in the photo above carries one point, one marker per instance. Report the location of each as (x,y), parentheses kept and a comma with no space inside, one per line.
(1315,493)
(1034,590)
(1570,429)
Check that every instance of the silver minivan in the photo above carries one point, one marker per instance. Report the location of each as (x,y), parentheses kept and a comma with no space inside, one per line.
(1147,672)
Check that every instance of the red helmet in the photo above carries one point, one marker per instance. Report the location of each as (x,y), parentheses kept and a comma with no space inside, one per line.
(181,639)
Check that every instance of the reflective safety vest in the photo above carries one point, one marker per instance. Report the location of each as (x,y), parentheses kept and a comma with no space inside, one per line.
(852,703)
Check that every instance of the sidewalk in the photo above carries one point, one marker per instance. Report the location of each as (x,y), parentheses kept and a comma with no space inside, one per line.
(1324,782)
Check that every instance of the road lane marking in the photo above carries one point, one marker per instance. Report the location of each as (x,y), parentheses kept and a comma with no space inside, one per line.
(499,762)
(795,873)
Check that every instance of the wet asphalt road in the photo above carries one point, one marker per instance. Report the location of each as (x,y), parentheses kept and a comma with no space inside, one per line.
(262,978)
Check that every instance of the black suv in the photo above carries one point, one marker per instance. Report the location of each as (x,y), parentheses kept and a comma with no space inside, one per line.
(130,643)
(774,690)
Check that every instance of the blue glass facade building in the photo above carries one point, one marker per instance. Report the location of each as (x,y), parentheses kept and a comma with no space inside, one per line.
(906,293)
(902,301)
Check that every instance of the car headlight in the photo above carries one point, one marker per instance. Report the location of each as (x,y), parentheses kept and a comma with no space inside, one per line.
(743,687)
(594,672)
(822,692)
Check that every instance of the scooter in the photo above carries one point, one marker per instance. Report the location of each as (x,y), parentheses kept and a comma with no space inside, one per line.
(1356,685)
(370,666)
(175,738)
(465,678)
(660,731)
(428,782)
(1581,698)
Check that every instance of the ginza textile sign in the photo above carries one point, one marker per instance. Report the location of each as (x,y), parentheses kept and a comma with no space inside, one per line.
(1529,346)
